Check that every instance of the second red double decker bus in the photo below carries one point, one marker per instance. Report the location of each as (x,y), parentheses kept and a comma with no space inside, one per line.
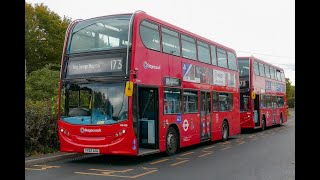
(262,94)
(132,84)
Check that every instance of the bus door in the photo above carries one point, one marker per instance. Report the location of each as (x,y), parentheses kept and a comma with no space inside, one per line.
(148,114)
(256,111)
(205,116)
(274,109)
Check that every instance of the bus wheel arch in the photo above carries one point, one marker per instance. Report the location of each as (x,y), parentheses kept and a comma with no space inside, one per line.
(225,130)
(172,139)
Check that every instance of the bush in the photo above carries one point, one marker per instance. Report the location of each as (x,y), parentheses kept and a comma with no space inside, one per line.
(41,111)
(40,127)
(42,84)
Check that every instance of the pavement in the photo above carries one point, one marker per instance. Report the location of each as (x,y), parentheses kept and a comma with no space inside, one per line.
(44,158)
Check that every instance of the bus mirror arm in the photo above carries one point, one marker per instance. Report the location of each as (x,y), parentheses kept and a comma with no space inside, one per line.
(134,72)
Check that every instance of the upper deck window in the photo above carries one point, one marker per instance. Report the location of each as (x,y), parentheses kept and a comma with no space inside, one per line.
(203,52)
(282,77)
(272,73)
(243,67)
(267,71)
(170,42)
(213,55)
(222,58)
(232,61)
(150,35)
(278,75)
(188,47)
(261,68)
(102,33)
(256,68)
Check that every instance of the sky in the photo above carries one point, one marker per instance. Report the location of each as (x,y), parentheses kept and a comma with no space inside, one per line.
(264,29)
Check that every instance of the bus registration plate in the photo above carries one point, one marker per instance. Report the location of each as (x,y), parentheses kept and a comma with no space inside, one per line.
(90,150)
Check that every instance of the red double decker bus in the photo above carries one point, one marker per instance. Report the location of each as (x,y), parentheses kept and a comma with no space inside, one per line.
(262,94)
(132,84)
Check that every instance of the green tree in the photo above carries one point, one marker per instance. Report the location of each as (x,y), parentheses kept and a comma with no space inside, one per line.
(42,84)
(288,88)
(44,36)
(293,90)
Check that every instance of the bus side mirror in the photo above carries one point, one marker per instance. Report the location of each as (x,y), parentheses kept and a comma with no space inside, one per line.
(129,88)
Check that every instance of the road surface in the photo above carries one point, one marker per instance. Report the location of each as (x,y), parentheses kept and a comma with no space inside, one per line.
(258,155)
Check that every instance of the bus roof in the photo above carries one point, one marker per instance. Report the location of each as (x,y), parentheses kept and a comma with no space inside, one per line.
(259,60)
(98,17)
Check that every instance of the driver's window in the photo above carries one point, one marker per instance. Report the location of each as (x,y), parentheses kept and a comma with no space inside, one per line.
(79,99)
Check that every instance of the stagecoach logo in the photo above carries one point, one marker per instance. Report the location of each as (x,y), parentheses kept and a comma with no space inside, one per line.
(146,65)
(83,130)
(185,125)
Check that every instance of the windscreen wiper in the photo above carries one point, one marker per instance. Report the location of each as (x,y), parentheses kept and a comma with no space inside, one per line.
(73,80)
(83,80)
(95,79)
(114,78)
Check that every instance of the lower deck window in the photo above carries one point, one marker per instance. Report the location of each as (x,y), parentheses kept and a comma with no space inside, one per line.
(172,101)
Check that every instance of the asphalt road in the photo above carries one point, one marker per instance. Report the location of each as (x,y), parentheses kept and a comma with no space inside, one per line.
(258,155)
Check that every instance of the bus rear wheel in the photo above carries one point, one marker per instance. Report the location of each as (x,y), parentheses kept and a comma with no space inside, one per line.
(225,131)
(171,141)
(280,123)
(263,125)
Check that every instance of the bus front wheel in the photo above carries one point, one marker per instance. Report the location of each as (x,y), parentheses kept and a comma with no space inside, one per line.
(171,141)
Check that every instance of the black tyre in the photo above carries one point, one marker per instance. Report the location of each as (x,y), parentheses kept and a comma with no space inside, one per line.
(281,121)
(263,125)
(171,141)
(225,131)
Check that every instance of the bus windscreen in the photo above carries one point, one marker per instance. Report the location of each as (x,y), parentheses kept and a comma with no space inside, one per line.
(95,103)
